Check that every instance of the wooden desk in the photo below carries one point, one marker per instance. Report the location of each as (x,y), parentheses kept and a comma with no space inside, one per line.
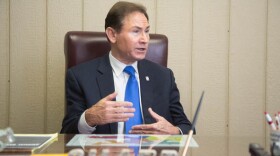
(208,146)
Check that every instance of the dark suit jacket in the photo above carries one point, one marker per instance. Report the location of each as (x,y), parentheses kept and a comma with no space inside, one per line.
(89,82)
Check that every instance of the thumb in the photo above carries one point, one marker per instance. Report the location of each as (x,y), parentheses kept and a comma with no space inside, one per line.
(111,96)
(154,114)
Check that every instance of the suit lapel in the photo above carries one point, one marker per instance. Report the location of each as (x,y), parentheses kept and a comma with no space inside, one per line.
(146,83)
(106,84)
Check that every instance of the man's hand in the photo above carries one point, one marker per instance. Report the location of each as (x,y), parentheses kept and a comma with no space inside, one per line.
(108,111)
(162,126)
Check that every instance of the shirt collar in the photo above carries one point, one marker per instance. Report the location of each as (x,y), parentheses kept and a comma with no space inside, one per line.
(118,66)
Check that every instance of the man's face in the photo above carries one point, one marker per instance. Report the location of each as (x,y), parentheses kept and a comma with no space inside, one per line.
(131,43)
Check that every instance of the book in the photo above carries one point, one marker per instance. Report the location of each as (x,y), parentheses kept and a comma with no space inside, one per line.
(30,143)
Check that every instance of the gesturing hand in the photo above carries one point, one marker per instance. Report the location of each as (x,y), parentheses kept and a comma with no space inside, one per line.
(108,111)
(162,126)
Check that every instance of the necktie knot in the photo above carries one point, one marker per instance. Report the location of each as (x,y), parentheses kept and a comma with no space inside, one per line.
(129,70)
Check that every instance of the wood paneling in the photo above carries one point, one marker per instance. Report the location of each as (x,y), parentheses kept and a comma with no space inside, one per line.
(169,21)
(95,13)
(273,60)
(210,67)
(63,16)
(273,57)
(4,63)
(247,66)
(209,64)
(28,65)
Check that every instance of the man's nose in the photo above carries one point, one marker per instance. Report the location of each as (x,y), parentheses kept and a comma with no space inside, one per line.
(145,37)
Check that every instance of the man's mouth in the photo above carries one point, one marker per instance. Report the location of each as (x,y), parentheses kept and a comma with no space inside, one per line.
(141,49)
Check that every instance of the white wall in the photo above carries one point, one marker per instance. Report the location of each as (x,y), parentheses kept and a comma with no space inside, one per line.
(229,48)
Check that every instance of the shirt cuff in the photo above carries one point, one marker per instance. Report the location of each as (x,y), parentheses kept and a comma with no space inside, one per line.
(83,127)
(181,132)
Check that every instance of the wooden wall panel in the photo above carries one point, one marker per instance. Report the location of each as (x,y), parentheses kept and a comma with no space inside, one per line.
(210,64)
(95,13)
(28,65)
(63,16)
(247,68)
(273,57)
(273,60)
(4,63)
(210,68)
(169,21)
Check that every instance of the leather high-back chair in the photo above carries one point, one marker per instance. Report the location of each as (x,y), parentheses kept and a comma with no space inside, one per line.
(82,46)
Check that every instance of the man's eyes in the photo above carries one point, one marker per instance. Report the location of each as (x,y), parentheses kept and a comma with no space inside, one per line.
(136,31)
(139,31)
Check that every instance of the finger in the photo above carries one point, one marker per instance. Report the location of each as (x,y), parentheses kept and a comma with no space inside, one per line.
(144,127)
(120,103)
(111,96)
(121,118)
(124,116)
(124,110)
(154,114)
(145,132)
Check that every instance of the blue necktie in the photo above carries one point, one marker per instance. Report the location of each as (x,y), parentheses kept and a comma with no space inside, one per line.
(132,95)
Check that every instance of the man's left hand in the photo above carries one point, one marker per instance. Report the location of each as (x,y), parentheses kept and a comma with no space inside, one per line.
(162,126)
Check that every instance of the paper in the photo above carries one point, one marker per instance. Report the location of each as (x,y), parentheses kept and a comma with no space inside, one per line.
(84,140)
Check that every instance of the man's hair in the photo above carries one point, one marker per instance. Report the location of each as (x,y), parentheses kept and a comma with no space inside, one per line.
(119,11)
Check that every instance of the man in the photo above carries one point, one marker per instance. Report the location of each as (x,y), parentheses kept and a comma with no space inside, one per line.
(96,90)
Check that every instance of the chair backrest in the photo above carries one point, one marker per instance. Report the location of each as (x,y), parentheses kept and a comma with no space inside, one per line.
(82,46)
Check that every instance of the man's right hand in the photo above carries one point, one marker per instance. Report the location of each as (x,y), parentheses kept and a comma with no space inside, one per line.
(108,111)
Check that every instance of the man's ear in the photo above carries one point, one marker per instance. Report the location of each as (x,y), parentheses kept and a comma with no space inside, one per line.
(111,34)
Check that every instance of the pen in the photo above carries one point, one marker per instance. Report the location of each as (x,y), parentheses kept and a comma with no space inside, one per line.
(277,121)
(269,121)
